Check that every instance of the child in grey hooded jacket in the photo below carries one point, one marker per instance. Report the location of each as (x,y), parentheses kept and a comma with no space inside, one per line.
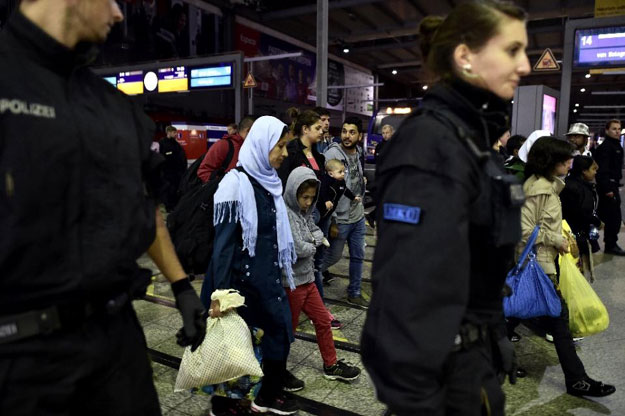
(300,196)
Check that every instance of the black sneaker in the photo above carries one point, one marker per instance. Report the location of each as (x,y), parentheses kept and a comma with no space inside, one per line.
(341,371)
(589,387)
(281,405)
(336,324)
(358,301)
(292,383)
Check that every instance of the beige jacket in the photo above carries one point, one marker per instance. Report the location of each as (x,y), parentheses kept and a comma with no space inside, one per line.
(542,206)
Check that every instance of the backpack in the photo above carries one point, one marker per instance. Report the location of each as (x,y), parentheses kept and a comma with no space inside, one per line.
(191,181)
(191,223)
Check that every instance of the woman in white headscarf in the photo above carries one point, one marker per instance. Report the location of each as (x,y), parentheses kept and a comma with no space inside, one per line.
(253,246)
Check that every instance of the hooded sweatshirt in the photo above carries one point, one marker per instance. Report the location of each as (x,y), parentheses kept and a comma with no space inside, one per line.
(306,235)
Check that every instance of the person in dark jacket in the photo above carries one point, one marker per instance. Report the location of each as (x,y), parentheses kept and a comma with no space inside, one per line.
(308,131)
(75,164)
(579,206)
(253,246)
(434,340)
(609,157)
(387,133)
(514,165)
(174,167)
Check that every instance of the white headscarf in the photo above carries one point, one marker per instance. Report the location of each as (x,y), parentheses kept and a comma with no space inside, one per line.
(236,193)
(525,149)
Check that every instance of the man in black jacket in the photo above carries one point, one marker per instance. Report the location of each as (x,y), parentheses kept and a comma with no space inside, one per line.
(609,157)
(77,208)
(174,167)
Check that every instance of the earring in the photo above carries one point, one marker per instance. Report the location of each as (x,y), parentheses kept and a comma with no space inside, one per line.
(466,71)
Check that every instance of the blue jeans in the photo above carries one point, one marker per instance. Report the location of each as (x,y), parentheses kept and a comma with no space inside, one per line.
(354,235)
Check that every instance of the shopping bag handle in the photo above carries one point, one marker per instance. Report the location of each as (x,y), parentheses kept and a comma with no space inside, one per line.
(528,248)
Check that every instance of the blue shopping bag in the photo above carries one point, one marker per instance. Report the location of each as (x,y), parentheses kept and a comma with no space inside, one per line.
(533,293)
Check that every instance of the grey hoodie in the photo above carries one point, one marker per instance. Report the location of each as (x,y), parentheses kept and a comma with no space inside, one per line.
(306,235)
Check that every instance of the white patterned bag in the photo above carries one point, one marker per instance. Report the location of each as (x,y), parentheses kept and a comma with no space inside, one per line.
(226,352)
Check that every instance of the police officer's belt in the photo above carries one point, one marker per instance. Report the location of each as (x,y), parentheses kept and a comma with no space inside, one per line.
(50,319)
(469,335)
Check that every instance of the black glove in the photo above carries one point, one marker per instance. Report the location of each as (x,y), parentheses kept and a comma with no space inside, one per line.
(507,358)
(193,314)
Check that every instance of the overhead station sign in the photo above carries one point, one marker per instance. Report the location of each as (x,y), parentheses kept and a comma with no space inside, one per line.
(600,47)
(172,79)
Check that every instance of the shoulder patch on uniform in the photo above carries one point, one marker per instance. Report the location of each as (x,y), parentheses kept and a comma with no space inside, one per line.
(402,213)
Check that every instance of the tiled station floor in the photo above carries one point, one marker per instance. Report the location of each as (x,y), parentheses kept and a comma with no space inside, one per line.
(541,393)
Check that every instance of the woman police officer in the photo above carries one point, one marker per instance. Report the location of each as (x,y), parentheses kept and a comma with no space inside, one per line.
(449,218)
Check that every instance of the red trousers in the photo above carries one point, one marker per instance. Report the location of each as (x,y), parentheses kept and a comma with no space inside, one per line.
(306,298)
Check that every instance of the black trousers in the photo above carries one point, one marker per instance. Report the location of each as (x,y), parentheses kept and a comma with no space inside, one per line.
(98,368)
(469,387)
(563,341)
(609,211)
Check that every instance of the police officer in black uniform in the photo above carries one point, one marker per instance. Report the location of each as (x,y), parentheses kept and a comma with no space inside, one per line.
(609,157)
(174,167)
(77,208)
(434,340)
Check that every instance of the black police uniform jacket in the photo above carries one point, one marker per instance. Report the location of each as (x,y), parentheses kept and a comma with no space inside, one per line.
(74,154)
(439,267)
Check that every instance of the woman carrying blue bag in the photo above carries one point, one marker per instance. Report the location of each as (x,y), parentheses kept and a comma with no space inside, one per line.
(548,161)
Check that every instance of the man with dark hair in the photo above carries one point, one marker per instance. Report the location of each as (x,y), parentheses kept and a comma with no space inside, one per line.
(77,208)
(218,152)
(514,165)
(174,167)
(609,157)
(350,214)
(326,139)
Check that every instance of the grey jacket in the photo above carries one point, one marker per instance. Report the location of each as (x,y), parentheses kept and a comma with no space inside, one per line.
(335,151)
(306,235)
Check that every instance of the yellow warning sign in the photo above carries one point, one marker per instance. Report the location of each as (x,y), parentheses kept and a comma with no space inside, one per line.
(250,82)
(547,62)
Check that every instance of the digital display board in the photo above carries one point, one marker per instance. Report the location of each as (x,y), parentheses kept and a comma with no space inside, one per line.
(550,107)
(173,79)
(601,47)
(111,80)
(131,82)
(211,76)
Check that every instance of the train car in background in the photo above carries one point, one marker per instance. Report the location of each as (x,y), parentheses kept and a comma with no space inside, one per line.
(196,139)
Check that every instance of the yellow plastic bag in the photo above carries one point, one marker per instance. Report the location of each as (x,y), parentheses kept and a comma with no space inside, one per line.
(587,314)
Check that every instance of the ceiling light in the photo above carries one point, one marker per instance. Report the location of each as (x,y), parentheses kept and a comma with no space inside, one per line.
(587,75)
(582,90)
(575,110)
(345,50)
(512,102)
(394,72)
(577,105)
(425,87)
